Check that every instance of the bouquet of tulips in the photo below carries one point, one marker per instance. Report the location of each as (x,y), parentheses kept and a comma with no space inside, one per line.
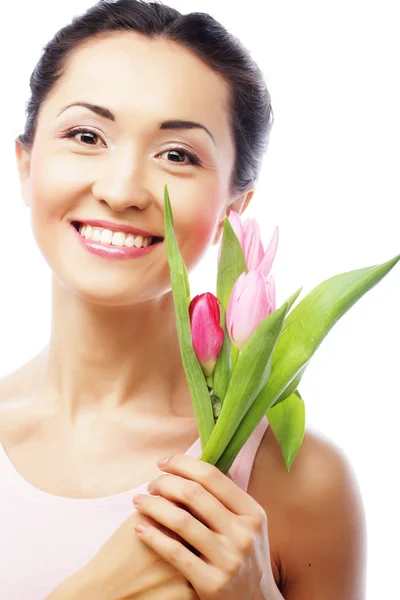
(243,357)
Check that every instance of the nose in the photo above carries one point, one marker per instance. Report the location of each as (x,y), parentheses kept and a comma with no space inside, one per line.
(123,184)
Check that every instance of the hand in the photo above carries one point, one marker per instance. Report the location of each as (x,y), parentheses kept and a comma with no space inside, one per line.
(226,527)
(125,568)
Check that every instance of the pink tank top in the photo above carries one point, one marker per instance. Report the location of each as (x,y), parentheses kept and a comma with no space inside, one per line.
(45,538)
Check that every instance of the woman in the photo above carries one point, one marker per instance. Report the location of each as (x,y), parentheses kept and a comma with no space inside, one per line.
(127,98)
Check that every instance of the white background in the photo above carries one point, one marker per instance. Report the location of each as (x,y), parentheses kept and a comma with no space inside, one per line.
(330,182)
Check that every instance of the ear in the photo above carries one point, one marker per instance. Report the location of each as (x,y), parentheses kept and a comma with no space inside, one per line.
(239,206)
(23,156)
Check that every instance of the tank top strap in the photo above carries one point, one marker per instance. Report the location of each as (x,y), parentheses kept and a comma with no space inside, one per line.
(240,470)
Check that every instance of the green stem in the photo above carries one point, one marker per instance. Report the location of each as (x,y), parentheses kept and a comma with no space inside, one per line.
(234,356)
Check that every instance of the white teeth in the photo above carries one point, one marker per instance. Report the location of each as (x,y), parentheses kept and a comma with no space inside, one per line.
(96,234)
(114,238)
(106,237)
(129,241)
(138,241)
(118,239)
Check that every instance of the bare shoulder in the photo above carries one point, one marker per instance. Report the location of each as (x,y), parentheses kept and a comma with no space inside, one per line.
(316,519)
(19,383)
(16,392)
(10,388)
(13,386)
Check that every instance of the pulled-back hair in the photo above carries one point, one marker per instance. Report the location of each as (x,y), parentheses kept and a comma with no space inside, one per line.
(251,114)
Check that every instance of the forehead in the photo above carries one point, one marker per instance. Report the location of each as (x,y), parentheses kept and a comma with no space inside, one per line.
(145,77)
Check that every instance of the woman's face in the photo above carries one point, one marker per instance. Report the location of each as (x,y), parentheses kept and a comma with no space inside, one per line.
(115,170)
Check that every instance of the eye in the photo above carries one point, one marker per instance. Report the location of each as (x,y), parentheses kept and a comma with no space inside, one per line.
(180,155)
(90,136)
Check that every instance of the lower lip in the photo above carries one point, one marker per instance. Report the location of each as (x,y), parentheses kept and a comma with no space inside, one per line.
(117,252)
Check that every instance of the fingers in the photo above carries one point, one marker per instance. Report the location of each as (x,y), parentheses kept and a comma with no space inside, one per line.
(211,514)
(182,522)
(218,484)
(207,580)
(192,567)
(200,491)
(196,498)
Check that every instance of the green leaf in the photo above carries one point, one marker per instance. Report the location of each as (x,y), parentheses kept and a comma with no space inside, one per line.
(312,319)
(250,375)
(222,372)
(185,281)
(181,294)
(305,328)
(292,387)
(231,265)
(288,421)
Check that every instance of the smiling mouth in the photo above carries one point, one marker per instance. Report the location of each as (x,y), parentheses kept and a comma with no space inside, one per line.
(107,237)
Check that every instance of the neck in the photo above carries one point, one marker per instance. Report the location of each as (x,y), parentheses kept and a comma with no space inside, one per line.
(101,358)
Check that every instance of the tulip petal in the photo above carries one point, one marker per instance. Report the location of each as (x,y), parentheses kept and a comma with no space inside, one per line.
(305,328)
(236,293)
(248,306)
(271,292)
(237,225)
(250,375)
(252,245)
(207,334)
(267,261)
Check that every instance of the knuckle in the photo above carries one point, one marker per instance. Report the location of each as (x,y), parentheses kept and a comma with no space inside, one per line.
(233,565)
(182,521)
(213,476)
(192,490)
(245,544)
(259,519)
(179,557)
(162,482)
(175,553)
(217,585)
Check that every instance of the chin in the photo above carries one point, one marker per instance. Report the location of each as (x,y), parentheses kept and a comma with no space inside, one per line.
(109,291)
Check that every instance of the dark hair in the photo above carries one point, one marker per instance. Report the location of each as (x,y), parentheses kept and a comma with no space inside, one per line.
(250,103)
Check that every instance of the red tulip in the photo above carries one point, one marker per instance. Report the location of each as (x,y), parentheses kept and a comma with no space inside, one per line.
(207,334)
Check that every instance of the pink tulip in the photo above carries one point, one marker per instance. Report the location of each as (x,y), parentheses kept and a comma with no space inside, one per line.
(251,301)
(248,234)
(207,334)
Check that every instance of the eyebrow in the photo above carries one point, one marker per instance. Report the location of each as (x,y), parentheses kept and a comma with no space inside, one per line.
(105,113)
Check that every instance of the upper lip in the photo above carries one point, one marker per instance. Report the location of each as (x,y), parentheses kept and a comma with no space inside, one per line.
(117,227)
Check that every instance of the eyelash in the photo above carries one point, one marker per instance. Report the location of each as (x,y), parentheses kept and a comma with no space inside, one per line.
(192,158)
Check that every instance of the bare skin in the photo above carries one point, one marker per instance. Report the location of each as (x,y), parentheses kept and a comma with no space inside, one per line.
(110,380)
(302,506)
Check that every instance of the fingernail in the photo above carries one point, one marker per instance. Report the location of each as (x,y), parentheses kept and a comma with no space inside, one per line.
(163,461)
(140,527)
(137,500)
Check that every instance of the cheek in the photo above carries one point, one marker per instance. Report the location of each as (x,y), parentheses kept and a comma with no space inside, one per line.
(195,225)
(53,187)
